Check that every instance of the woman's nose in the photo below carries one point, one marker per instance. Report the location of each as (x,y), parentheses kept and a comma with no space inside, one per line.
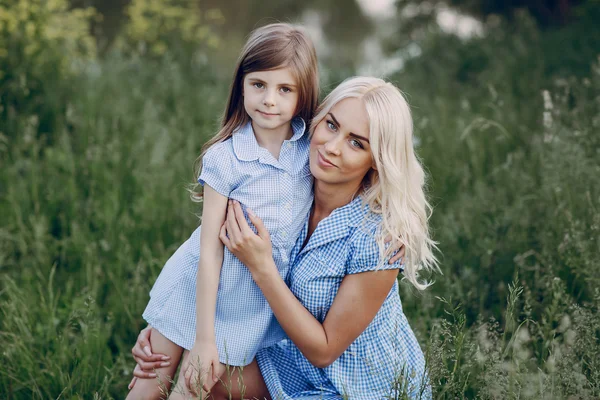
(332,146)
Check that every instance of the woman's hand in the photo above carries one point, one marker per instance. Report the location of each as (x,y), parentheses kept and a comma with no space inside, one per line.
(254,251)
(202,368)
(146,361)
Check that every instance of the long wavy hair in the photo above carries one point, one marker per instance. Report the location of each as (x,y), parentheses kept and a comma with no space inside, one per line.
(396,189)
(270,47)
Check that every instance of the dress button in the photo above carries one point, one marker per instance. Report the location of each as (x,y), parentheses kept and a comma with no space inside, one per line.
(284,234)
(289,145)
(288,205)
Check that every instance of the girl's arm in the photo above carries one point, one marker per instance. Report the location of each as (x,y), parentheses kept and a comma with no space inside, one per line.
(358,300)
(204,353)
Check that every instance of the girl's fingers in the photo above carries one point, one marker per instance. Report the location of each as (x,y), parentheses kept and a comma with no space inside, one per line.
(397,256)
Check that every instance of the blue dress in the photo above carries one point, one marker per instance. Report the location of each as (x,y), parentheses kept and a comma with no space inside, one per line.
(280,193)
(386,352)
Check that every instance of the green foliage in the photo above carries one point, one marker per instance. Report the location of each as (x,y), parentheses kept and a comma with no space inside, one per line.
(41,44)
(157,25)
(508,127)
(508,131)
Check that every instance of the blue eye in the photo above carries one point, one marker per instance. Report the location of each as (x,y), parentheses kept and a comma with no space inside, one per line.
(356,143)
(258,85)
(286,89)
(331,126)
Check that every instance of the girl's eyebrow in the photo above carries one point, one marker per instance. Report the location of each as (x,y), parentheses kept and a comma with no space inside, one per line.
(280,84)
(351,133)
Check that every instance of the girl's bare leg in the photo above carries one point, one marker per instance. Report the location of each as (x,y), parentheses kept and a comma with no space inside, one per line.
(158,388)
(241,383)
(236,384)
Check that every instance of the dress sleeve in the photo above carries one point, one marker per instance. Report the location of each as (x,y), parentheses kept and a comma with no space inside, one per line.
(365,256)
(218,172)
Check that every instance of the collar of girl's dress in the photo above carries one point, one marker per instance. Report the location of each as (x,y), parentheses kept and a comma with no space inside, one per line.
(246,147)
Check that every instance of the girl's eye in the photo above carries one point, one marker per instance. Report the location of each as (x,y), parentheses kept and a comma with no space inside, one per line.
(356,143)
(331,125)
(258,85)
(286,89)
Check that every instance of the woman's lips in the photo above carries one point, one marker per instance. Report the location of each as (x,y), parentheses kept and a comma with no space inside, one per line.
(323,162)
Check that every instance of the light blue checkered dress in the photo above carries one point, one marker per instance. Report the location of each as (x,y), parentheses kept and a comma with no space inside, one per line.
(386,352)
(280,193)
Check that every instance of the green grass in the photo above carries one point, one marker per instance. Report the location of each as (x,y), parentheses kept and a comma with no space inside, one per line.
(93,202)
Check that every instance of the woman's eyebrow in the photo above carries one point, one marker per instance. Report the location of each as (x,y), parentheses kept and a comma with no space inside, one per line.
(351,133)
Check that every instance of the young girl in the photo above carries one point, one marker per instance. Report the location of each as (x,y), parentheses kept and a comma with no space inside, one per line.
(204,297)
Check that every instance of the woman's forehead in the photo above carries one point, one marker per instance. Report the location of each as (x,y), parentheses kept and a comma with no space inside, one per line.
(350,113)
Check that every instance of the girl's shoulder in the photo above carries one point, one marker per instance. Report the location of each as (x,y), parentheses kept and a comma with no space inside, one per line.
(220,149)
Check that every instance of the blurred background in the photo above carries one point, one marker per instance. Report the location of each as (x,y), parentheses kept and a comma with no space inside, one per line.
(104,107)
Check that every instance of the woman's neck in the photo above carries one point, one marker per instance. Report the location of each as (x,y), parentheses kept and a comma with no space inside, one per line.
(329,197)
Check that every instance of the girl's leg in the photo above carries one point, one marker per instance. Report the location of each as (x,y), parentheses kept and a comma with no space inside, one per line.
(241,383)
(181,392)
(158,388)
(236,384)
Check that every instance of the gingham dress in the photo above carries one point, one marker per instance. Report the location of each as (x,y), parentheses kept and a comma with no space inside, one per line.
(386,352)
(280,193)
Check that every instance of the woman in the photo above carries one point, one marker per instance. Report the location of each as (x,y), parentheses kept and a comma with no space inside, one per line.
(342,311)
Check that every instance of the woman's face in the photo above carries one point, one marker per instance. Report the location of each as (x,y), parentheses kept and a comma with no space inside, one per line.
(340,153)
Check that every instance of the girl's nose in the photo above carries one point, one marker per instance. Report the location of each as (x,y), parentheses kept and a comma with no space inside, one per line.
(269,99)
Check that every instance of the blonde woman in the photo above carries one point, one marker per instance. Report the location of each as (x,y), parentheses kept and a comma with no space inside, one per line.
(347,334)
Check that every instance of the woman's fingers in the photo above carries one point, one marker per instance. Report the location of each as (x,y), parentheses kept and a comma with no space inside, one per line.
(241,219)
(233,229)
(149,366)
(223,236)
(132,383)
(258,223)
(139,373)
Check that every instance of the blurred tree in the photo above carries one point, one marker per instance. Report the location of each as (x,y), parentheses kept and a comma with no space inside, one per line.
(545,12)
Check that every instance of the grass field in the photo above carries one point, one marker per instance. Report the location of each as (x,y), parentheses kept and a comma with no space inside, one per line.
(96,152)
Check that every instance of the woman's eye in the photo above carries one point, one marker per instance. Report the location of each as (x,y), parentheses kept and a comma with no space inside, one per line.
(331,125)
(258,85)
(356,143)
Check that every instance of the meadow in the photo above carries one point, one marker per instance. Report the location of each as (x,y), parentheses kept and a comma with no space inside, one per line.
(97,149)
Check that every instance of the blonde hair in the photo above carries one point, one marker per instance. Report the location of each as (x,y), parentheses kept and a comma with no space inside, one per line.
(396,189)
(270,47)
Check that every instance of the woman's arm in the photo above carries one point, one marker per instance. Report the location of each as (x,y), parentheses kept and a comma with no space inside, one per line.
(358,300)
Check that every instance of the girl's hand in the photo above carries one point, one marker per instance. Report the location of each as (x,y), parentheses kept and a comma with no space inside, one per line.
(399,250)
(145,359)
(202,368)
(254,251)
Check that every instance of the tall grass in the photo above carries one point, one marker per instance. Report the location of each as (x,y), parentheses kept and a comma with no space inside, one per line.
(93,203)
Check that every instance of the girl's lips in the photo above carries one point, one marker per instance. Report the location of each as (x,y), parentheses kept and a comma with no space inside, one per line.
(324,162)
(266,114)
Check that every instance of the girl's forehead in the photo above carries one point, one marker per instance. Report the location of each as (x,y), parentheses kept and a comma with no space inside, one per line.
(279,75)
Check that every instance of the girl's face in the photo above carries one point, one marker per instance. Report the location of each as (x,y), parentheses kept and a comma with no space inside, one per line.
(270,98)
(340,153)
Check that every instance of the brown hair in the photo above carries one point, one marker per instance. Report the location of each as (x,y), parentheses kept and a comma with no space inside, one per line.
(270,47)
